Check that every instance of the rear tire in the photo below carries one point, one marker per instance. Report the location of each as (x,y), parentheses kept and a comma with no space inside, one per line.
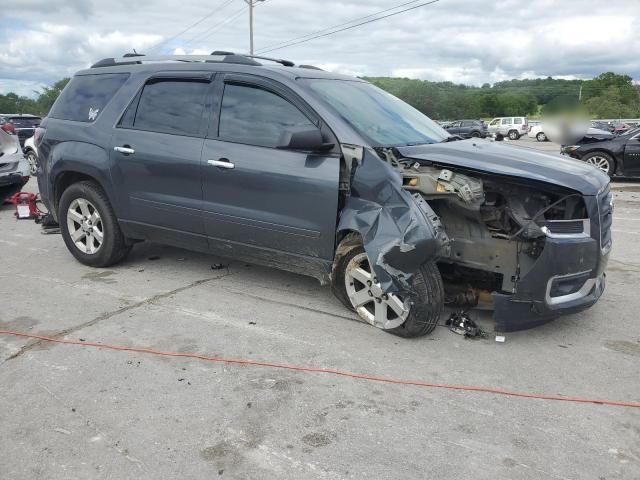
(89,226)
(514,135)
(541,137)
(421,318)
(475,134)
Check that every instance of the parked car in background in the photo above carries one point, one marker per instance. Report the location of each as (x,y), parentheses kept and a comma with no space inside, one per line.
(621,128)
(14,169)
(31,153)
(467,128)
(512,127)
(607,127)
(617,155)
(23,124)
(537,132)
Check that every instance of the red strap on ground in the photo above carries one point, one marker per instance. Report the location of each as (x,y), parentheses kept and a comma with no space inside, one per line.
(342,373)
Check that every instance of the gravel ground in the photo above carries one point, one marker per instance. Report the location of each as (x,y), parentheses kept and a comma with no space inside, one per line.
(68,412)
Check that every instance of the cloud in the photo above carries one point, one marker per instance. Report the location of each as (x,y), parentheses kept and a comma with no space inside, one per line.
(462,41)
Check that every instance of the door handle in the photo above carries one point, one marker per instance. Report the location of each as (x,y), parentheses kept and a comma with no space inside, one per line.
(125,150)
(222,163)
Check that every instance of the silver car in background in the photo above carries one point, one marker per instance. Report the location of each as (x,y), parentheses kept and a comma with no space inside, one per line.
(14,168)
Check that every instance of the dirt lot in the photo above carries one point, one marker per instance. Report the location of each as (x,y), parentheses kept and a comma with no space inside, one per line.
(68,412)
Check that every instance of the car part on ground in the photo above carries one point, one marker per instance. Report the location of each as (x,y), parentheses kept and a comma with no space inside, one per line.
(339,181)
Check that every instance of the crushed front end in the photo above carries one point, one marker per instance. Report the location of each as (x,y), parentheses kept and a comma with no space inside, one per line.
(531,250)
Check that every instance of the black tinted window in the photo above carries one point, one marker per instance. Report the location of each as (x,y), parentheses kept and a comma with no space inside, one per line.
(256,117)
(86,96)
(172,106)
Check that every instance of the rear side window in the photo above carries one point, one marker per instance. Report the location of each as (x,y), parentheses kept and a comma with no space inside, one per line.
(172,106)
(257,117)
(86,96)
(517,120)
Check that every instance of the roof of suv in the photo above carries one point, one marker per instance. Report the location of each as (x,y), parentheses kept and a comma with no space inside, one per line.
(217,61)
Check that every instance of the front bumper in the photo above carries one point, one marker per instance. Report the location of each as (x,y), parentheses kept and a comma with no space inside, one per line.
(568,277)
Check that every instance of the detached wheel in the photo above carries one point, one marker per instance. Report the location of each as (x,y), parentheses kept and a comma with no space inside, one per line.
(89,226)
(541,137)
(600,160)
(513,135)
(354,284)
(32,158)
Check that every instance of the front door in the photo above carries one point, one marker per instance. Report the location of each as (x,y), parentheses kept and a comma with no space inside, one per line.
(261,200)
(156,153)
(632,156)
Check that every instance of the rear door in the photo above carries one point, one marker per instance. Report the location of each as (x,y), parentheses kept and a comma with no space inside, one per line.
(156,151)
(260,200)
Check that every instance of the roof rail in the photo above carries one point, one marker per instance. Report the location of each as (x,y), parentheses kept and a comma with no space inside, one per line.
(215,56)
(310,67)
(133,59)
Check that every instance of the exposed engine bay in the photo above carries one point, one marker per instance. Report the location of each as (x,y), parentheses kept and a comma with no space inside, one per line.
(495,227)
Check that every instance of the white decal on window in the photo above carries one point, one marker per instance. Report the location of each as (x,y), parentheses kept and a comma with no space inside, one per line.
(93,113)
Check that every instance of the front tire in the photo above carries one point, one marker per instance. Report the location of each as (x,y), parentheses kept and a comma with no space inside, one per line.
(602,161)
(355,285)
(89,226)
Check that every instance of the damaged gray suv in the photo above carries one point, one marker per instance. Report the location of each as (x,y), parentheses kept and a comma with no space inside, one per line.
(324,175)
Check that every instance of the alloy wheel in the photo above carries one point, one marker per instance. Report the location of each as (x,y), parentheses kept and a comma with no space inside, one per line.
(85,226)
(600,162)
(33,163)
(383,310)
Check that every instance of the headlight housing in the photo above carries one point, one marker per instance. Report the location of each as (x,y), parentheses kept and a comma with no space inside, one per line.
(570,148)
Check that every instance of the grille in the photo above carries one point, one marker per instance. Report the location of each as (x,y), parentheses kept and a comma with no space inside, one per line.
(605,211)
(565,227)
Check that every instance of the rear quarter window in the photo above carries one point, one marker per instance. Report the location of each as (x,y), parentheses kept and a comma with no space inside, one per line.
(86,96)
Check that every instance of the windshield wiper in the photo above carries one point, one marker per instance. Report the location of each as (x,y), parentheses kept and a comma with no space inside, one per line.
(452,138)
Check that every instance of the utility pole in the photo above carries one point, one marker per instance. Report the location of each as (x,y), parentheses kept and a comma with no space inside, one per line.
(251,3)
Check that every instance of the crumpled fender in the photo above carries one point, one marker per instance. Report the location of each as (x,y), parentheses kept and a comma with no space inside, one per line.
(399,232)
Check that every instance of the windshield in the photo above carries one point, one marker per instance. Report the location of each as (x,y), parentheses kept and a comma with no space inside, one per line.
(377,115)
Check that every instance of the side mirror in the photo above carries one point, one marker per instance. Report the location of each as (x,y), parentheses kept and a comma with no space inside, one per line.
(305,137)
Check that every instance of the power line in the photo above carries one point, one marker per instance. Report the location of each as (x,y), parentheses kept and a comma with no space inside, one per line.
(209,15)
(206,34)
(349,27)
(337,26)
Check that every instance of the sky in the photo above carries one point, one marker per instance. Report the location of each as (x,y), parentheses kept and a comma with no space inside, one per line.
(463,41)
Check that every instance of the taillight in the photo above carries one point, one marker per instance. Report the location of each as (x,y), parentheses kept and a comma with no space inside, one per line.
(38,135)
(8,128)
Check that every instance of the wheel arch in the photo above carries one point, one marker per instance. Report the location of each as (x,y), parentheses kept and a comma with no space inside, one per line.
(66,178)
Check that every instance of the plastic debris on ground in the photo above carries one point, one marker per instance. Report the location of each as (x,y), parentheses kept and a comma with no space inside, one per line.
(462,324)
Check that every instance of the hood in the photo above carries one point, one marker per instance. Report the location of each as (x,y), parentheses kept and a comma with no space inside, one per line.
(504,159)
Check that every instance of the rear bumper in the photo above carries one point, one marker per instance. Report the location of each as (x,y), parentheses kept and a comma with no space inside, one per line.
(13,169)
